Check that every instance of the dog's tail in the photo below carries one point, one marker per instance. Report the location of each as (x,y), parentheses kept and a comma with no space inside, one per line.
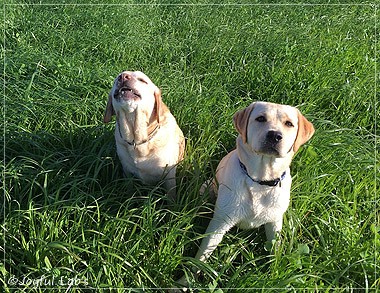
(210,187)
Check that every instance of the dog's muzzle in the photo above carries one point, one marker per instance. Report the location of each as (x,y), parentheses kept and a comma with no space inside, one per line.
(271,143)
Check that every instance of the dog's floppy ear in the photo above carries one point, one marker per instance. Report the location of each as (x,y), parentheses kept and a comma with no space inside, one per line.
(158,104)
(109,110)
(241,121)
(304,133)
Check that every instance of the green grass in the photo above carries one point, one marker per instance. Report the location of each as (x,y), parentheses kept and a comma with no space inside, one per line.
(71,219)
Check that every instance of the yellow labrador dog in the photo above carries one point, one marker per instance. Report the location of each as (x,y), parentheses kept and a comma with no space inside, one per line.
(253,181)
(148,140)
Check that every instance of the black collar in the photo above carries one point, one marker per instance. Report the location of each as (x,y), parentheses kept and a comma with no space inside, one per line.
(261,182)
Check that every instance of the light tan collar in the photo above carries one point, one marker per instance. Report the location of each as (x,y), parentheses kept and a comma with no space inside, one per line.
(151,134)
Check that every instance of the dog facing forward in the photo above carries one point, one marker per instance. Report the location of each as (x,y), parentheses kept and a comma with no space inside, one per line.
(148,140)
(253,181)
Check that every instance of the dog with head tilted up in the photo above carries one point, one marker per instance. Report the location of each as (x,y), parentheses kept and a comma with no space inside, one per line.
(149,142)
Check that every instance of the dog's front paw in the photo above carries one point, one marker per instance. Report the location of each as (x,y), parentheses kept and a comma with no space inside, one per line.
(273,244)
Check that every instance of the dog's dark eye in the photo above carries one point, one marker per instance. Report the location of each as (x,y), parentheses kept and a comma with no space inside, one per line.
(261,119)
(289,124)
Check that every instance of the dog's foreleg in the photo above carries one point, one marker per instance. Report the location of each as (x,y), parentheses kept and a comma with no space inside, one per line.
(214,235)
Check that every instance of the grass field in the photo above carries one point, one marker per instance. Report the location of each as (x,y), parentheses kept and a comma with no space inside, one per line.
(71,221)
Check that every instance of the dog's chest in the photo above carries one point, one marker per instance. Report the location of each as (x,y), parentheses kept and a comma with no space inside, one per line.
(147,168)
(263,205)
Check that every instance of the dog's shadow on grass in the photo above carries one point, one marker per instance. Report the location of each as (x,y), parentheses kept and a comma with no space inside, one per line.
(56,166)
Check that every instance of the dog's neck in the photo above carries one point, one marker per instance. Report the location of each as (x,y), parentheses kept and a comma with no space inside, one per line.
(262,167)
(135,128)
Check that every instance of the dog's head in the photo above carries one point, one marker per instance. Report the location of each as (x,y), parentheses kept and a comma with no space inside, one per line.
(273,129)
(133,90)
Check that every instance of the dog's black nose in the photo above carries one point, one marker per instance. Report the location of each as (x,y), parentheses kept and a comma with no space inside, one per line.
(274,136)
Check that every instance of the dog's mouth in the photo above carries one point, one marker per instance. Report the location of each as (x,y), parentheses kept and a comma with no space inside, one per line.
(127,93)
